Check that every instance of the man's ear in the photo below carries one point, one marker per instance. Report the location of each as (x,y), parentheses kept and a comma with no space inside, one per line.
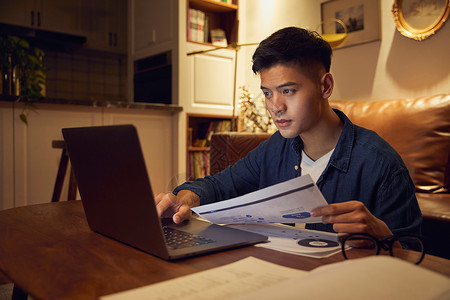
(327,84)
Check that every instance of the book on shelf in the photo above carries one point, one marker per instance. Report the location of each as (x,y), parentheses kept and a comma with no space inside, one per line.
(218,37)
(198,159)
(198,164)
(217,126)
(197,23)
(206,130)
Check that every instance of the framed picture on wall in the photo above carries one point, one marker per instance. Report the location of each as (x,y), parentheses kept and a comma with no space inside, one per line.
(361,19)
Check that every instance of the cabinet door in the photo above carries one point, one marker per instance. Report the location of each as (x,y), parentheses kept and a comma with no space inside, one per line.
(52,15)
(6,156)
(17,12)
(211,77)
(107,25)
(61,16)
(97,12)
(117,26)
(154,23)
(35,161)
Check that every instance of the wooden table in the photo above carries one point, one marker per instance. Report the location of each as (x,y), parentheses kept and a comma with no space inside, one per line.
(49,252)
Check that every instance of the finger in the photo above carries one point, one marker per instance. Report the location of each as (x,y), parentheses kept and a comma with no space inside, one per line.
(183,213)
(165,202)
(347,228)
(338,208)
(350,217)
(159,197)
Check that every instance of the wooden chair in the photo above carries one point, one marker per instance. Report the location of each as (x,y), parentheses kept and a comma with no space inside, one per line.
(64,161)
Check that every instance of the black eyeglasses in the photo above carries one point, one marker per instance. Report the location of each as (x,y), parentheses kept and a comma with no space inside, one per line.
(408,247)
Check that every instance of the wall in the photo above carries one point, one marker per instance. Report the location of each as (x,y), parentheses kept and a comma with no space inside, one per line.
(394,67)
(85,75)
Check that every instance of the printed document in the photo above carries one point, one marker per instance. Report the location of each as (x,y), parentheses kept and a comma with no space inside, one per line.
(284,238)
(287,202)
(244,276)
(374,277)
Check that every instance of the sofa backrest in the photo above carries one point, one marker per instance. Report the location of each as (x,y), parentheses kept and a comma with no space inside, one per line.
(419,129)
(228,147)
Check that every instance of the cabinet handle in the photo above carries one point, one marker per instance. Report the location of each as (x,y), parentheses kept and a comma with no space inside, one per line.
(32,18)
(39,19)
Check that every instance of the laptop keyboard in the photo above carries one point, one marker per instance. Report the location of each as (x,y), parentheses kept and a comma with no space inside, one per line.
(177,239)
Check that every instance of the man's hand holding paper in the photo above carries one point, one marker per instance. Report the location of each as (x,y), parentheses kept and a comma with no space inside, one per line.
(287,202)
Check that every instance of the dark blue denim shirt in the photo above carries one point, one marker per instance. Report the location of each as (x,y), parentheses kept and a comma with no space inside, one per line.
(362,167)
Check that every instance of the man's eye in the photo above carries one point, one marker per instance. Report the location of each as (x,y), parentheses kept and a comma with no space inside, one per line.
(267,94)
(288,91)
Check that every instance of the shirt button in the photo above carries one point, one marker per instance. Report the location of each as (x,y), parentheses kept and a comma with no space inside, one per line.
(296,168)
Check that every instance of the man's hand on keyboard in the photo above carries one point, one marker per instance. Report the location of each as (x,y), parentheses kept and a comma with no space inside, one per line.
(179,206)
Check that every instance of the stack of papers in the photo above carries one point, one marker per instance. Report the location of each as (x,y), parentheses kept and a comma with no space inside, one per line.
(287,202)
(284,238)
(375,277)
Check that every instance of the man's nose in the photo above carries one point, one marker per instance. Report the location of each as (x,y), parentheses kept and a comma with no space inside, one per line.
(278,103)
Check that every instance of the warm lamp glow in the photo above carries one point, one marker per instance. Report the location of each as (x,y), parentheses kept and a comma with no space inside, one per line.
(334,39)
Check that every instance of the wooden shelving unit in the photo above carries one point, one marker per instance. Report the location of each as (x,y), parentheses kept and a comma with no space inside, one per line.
(219,14)
(223,15)
(199,130)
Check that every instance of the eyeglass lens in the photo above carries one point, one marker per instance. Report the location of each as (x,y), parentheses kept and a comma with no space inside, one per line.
(357,246)
(408,248)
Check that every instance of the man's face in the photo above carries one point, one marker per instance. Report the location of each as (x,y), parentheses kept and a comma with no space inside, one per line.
(293,99)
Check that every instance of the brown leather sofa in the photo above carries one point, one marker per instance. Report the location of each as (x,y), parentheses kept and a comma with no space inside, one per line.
(419,129)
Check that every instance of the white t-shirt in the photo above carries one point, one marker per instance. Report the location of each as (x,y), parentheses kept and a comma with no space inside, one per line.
(314,168)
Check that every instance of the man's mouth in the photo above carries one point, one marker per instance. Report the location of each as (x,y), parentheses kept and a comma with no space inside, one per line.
(283,122)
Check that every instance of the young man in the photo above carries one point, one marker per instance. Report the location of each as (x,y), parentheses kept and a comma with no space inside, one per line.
(363,179)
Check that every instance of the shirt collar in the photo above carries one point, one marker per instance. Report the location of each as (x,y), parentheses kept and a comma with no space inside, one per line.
(341,155)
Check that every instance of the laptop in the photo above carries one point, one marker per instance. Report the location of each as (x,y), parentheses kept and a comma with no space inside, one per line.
(118,200)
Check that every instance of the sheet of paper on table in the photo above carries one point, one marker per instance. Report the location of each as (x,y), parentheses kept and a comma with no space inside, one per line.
(287,202)
(284,238)
(223,282)
(375,277)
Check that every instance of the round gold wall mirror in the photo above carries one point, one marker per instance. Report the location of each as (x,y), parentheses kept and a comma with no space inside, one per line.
(420,19)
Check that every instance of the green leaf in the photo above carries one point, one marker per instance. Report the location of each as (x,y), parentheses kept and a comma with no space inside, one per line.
(23,118)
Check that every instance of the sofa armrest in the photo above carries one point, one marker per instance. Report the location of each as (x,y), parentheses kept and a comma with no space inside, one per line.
(228,147)
(434,206)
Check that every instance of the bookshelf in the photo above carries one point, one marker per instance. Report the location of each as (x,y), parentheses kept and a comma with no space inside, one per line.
(213,14)
(200,127)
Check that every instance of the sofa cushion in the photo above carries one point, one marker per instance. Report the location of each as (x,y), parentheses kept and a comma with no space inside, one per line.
(419,129)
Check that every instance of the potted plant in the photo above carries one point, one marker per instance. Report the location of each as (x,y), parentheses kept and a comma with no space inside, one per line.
(23,72)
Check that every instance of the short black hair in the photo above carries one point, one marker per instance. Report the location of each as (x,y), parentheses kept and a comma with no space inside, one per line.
(293,45)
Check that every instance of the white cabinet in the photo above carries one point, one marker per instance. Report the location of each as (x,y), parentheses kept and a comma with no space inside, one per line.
(18,12)
(210,80)
(205,81)
(154,24)
(52,15)
(6,155)
(106,25)
(29,164)
(61,16)
(202,83)
(35,161)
